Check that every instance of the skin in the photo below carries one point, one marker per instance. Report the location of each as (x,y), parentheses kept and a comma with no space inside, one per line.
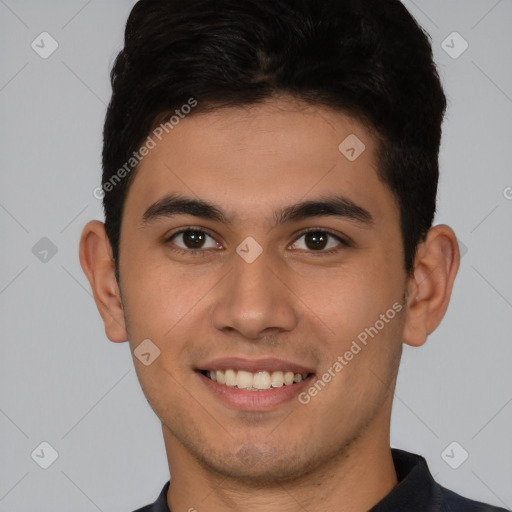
(292,302)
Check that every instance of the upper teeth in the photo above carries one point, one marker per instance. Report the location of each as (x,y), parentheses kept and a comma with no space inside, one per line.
(255,381)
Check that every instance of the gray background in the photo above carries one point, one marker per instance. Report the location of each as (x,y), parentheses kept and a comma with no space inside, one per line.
(63,382)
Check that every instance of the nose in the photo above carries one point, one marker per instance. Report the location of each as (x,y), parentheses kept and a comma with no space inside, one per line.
(254,300)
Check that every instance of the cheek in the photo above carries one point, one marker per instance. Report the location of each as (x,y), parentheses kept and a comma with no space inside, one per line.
(165,302)
(364,361)
(349,299)
(362,309)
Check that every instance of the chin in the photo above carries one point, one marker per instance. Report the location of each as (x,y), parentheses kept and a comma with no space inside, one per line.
(257,465)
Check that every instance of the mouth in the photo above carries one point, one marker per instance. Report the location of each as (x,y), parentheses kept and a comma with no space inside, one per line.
(261,380)
(254,384)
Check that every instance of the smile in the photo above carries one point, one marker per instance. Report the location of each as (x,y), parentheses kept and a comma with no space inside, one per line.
(258,381)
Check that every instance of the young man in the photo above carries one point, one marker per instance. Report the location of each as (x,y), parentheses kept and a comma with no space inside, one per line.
(270,172)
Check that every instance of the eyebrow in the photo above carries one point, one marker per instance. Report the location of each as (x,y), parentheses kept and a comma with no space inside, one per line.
(329,206)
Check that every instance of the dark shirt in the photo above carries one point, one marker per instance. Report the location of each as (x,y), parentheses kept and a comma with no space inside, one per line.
(416,491)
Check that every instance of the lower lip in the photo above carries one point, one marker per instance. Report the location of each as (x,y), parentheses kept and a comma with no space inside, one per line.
(255,400)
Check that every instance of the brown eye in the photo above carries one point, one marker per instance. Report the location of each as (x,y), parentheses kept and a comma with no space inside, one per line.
(318,241)
(192,239)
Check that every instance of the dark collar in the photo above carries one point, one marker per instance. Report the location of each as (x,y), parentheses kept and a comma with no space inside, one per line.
(416,491)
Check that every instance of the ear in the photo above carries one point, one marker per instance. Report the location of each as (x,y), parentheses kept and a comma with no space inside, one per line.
(430,287)
(98,265)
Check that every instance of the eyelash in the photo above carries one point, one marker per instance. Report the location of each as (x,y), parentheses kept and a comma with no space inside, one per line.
(200,252)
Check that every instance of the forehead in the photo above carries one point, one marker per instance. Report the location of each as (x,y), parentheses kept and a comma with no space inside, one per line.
(275,153)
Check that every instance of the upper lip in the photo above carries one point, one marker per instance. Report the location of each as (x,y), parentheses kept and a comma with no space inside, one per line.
(253,365)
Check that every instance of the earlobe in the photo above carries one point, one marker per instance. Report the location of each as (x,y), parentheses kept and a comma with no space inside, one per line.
(98,266)
(430,286)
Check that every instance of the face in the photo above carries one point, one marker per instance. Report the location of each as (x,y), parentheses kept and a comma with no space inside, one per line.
(284,255)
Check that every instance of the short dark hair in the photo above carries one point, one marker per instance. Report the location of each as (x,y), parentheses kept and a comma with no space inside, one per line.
(366,58)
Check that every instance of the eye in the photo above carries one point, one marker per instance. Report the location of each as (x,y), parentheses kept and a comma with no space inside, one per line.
(318,241)
(192,239)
